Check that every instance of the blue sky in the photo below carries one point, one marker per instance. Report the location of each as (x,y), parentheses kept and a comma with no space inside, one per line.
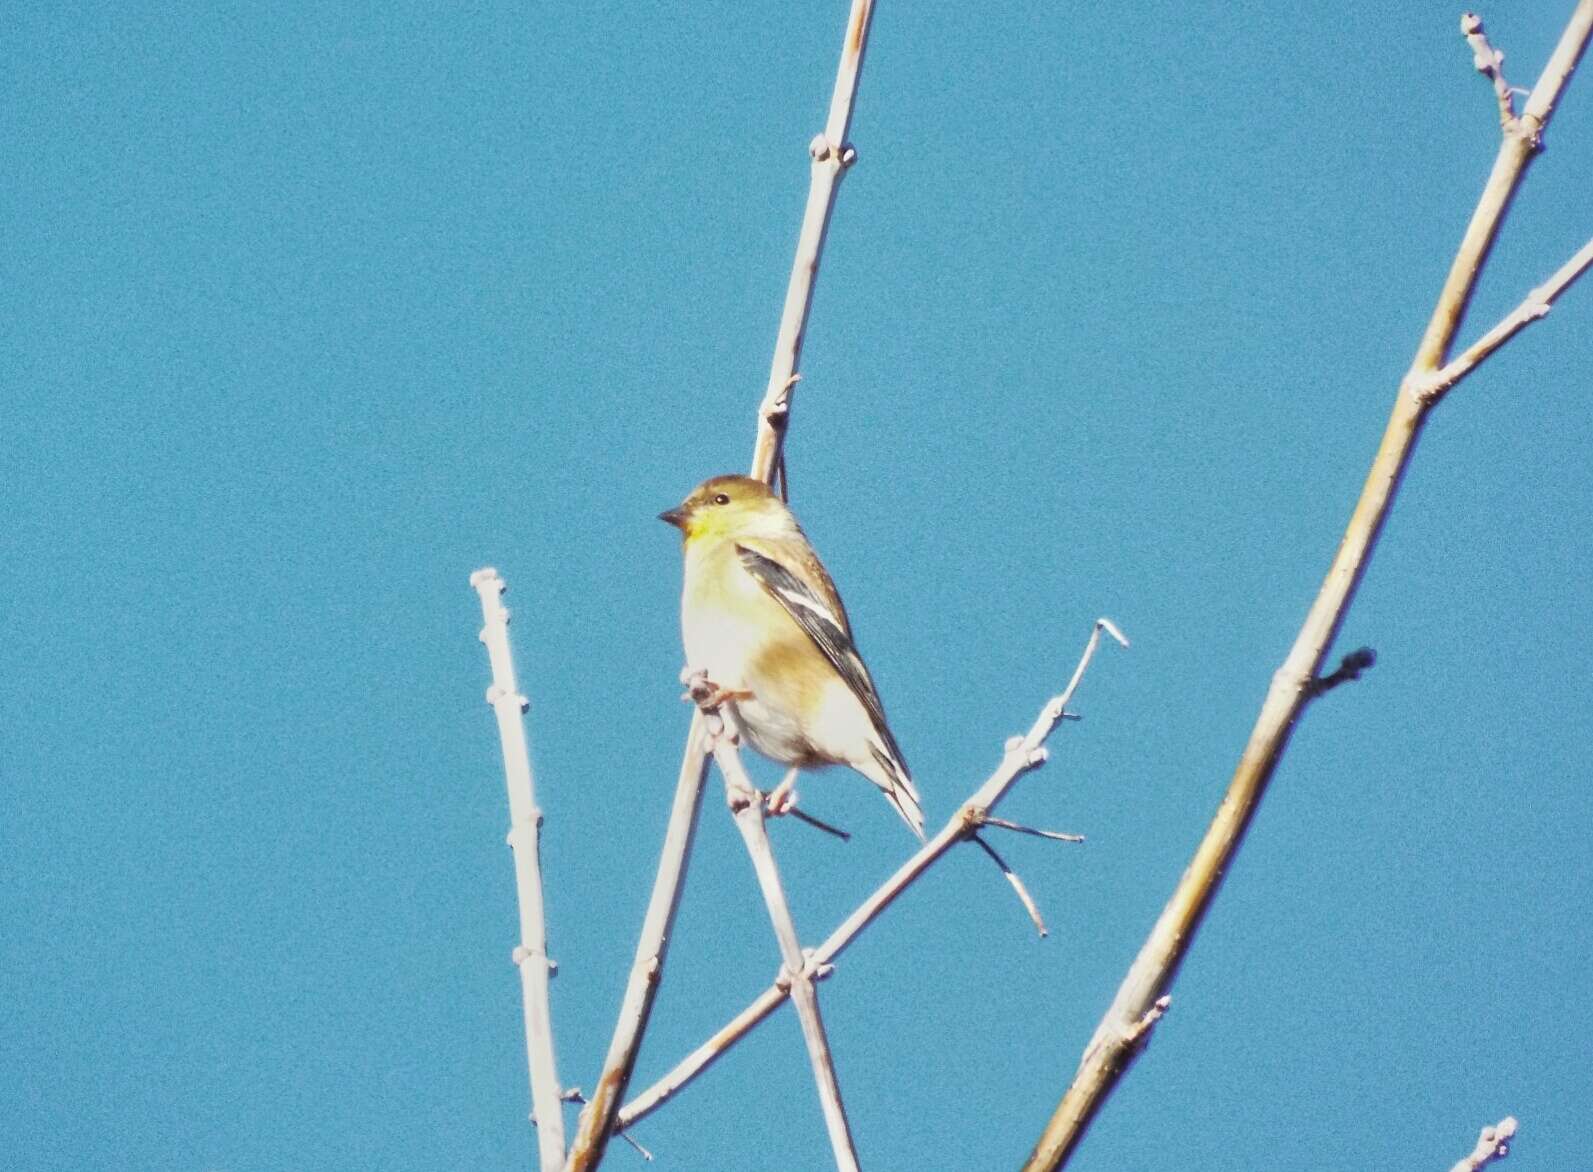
(310,313)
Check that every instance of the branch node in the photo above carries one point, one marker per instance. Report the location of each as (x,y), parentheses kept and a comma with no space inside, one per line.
(848,155)
(1038,756)
(819,149)
(1138,1035)
(1490,63)
(1012,744)
(496,692)
(1492,1144)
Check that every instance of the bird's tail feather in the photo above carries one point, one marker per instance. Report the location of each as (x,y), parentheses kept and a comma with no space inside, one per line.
(892,777)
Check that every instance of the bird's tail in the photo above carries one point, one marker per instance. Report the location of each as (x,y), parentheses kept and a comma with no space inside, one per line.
(890,774)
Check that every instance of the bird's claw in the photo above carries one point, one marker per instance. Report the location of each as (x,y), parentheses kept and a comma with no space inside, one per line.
(782,799)
(704,693)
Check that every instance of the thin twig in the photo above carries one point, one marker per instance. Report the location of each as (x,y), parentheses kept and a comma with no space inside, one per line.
(1053,835)
(598,1120)
(1492,1144)
(1490,63)
(1535,306)
(746,804)
(831,155)
(525,820)
(1112,1049)
(1017,885)
(1022,754)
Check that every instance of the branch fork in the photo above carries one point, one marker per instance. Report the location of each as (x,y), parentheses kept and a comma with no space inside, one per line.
(799,967)
(1018,758)
(1295,684)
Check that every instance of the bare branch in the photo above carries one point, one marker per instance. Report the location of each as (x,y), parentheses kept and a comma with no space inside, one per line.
(647,970)
(1493,1144)
(1537,305)
(1022,755)
(1515,151)
(525,821)
(746,804)
(1053,835)
(831,155)
(597,1121)
(1109,1052)
(1490,63)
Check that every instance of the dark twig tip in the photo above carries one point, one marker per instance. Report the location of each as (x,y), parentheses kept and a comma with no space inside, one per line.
(1349,668)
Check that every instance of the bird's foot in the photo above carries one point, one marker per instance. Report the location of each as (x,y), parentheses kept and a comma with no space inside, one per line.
(704,693)
(782,799)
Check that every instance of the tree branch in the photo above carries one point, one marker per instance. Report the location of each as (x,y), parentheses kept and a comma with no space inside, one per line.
(1022,755)
(1493,1144)
(598,1119)
(1112,1049)
(525,821)
(1537,305)
(647,971)
(1490,63)
(831,155)
(746,805)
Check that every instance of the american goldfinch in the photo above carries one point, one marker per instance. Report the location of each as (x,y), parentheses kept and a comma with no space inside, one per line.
(761,617)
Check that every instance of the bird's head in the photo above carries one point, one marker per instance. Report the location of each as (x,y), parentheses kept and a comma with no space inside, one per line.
(731,506)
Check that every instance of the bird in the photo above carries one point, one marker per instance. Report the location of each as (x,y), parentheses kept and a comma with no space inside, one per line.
(761,617)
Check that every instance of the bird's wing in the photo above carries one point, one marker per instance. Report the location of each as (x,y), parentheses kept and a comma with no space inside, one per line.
(791,575)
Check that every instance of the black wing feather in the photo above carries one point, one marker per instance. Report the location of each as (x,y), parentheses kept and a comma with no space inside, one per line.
(814,615)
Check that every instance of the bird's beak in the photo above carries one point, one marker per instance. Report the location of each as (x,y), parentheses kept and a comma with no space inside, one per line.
(675,517)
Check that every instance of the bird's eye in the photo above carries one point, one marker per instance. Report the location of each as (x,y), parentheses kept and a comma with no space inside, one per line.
(721,499)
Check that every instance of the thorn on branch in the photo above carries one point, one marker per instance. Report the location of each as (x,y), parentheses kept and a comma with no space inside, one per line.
(1350,668)
(1017,885)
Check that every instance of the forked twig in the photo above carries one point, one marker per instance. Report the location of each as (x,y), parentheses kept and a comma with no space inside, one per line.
(746,805)
(1112,1049)
(598,1120)
(1021,756)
